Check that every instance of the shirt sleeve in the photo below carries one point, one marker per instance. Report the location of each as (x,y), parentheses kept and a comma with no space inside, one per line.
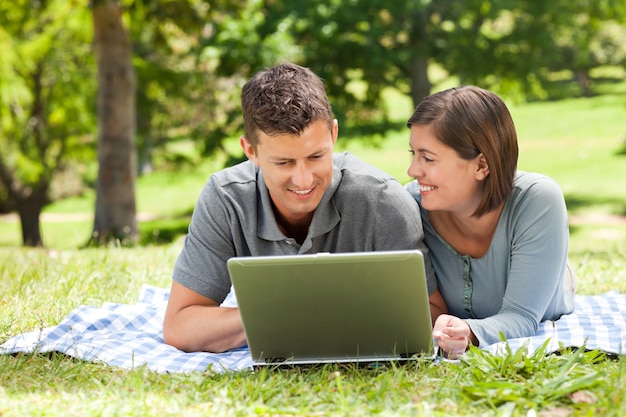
(201,265)
(537,219)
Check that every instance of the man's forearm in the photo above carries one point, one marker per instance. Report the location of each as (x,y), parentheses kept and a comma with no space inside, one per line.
(204,329)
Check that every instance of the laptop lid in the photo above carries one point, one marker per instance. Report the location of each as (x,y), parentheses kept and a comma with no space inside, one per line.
(344,307)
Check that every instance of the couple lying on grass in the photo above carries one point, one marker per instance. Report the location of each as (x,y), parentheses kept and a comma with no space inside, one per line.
(495,239)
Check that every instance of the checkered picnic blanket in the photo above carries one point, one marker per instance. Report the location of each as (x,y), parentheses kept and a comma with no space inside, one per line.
(125,335)
(130,336)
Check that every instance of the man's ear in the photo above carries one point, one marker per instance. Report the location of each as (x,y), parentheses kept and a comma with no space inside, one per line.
(482,168)
(248,149)
(335,131)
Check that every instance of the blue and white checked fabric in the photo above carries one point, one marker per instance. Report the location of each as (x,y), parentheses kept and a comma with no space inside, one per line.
(126,336)
(598,323)
(130,336)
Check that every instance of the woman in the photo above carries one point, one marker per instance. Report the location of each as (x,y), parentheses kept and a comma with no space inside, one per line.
(498,237)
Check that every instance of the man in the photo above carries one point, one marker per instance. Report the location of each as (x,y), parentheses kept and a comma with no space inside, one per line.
(292,196)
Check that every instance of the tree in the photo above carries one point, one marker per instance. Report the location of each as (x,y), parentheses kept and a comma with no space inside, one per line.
(232,46)
(115,213)
(162,36)
(361,47)
(591,34)
(45,93)
(180,95)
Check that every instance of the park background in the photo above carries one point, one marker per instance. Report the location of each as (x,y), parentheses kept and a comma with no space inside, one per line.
(151,89)
(100,102)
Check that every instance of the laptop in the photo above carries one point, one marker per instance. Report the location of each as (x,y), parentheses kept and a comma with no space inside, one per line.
(359,307)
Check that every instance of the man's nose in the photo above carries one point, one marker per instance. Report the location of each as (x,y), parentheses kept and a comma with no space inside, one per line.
(302,175)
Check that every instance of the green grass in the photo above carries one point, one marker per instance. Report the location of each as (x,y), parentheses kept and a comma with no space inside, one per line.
(555,384)
(40,287)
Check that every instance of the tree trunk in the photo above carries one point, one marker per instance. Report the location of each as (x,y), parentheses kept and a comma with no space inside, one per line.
(582,77)
(29,210)
(420,84)
(28,201)
(29,198)
(418,67)
(115,215)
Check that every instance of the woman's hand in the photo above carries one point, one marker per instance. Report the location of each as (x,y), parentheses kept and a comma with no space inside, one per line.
(453,335)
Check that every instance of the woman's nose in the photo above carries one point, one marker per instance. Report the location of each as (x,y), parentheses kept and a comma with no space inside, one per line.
(414,170)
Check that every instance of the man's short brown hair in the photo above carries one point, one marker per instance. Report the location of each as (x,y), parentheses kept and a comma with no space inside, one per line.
(284,99)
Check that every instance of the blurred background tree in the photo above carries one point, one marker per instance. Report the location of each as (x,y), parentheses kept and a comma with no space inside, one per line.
(46,104)
(115,218)
(191,58)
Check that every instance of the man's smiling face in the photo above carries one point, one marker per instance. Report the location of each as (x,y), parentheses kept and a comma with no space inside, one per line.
(297,169)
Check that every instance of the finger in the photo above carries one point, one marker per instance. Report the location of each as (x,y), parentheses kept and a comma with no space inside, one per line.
(456,332)
(453,347)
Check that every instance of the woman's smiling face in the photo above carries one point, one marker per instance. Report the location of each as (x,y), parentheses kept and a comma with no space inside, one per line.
(447,181)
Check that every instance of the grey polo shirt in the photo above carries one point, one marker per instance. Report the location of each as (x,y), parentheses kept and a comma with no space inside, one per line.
(363,209)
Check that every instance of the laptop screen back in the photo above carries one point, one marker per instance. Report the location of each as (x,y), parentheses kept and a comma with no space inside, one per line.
(365,306)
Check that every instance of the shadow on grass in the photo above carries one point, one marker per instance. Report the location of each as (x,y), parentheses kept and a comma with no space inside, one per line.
(622,151)
(578,202)
(162,231)
(569,88)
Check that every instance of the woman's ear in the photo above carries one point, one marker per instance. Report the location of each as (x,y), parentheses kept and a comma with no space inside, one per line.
(482,168)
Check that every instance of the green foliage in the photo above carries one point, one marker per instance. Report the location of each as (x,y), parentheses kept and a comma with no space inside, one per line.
(361,47)
(169,79)
(192,57)
(46,92)
(236,46)
(529,380)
